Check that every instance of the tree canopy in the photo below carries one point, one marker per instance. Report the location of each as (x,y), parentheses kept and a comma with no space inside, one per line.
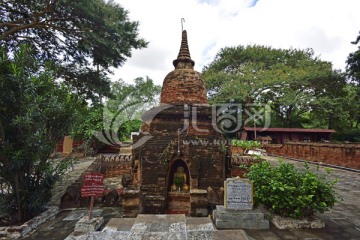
(293,82)
(353,62)
(85,38)
(353,71)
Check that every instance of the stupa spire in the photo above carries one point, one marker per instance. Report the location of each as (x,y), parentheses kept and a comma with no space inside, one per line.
(184,53)
(183,85)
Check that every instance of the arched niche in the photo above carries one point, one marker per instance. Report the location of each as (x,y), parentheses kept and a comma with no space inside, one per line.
(173,168)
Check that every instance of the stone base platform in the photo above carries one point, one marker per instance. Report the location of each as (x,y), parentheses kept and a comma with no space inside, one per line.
(239,219)
(174,226)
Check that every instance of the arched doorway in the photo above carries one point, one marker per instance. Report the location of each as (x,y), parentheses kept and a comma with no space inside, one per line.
(178,199)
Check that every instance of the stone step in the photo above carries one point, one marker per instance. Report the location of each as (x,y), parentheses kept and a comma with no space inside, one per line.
(148,226)
(234,215)
(213,235)
(239,219)
(243,224)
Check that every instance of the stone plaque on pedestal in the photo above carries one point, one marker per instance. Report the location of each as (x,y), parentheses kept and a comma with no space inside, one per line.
(239,194)
(238,212)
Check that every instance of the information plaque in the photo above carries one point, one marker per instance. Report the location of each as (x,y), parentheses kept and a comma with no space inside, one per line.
(238,194)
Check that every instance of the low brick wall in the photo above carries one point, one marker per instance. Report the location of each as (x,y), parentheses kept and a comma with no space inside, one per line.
(345,155)
(26,228)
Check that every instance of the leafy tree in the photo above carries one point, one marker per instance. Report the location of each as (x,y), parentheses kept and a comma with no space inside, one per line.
(291,81)
(35,113)
(353,71)
(132,100)
(87,121)
(349,130)
(118,117)
(74,34)
(353,62)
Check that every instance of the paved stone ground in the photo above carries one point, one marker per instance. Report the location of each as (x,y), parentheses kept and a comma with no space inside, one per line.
(161,226)
(64,223)
(342,222)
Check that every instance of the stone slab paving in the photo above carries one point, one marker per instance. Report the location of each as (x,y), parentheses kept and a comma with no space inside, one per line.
(175,226)
(64,223)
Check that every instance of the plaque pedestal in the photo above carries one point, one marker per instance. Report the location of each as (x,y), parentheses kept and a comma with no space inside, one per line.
(235,219)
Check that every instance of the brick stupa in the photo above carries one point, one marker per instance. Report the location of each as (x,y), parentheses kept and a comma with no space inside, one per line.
(180,133)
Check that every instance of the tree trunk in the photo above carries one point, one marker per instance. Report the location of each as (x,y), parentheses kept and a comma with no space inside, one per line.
(18,203)
(2,134)
(98,73)
(246,113)
(288,117)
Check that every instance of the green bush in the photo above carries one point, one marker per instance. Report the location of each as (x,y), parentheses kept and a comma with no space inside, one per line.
(290,192)
(246,145)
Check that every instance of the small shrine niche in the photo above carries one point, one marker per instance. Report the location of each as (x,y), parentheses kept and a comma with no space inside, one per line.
(179,178)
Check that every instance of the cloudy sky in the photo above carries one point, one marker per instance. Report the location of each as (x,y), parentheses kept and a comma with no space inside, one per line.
(326,26)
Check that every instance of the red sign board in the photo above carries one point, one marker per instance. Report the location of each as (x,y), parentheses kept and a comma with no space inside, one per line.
(93,185)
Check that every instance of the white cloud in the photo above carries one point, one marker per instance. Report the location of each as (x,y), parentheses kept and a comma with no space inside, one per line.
(327,26)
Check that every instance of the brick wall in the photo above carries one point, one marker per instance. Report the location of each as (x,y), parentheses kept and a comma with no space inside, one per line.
(345,155)
(204,161)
